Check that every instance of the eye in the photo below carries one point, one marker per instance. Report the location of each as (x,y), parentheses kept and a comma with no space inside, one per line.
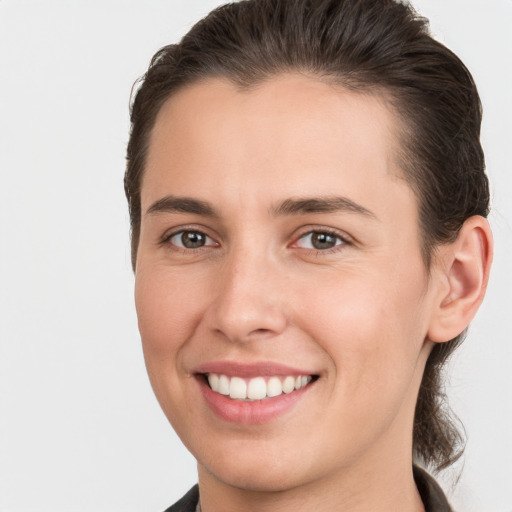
(190,239)
(319,240)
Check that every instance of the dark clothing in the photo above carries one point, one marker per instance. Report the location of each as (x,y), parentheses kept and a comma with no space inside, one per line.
(188,503)
(431,494)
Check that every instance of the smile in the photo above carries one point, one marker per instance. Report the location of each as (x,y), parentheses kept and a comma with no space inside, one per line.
(255,393)
(256,388)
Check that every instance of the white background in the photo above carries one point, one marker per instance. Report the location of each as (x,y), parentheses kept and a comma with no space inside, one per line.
(79,427)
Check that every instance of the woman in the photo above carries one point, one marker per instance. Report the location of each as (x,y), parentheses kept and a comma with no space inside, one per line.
(308,200)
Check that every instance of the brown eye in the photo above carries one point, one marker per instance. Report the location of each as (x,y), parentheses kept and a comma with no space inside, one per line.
(323,240)
(191,239)
(319,240)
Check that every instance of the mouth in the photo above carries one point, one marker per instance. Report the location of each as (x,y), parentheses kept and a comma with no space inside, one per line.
(254,393)
(256,388)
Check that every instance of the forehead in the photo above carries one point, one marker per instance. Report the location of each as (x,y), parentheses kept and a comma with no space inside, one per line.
(291,134)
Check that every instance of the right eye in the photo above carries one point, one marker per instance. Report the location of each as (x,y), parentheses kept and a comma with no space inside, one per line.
(190,239)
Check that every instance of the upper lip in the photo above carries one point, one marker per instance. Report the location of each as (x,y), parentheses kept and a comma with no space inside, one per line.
(249,370)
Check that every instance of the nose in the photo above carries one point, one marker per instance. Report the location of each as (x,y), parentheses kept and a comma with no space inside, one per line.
(250,300)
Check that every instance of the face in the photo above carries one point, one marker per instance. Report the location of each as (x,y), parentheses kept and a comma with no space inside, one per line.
(282,298)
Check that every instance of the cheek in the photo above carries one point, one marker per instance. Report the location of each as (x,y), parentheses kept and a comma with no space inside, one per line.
(168,309)
(371,326)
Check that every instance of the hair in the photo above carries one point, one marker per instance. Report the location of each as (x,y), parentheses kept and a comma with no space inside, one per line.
(376,46)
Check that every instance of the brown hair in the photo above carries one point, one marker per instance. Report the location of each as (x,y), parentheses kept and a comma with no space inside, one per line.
(367,45)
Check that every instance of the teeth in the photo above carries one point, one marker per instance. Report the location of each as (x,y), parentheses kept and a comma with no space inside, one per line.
(237,388)
(289,384)
(256,388)
(223,385)
(274,387)
(213,380)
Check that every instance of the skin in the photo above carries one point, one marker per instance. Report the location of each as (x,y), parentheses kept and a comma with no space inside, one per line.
(358,315)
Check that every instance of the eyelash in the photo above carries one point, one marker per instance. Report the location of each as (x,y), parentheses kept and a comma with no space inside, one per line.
(342,240)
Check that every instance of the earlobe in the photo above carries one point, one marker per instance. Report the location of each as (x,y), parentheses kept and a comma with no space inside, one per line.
(465,267)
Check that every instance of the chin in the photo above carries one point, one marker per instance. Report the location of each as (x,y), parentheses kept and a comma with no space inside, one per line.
(256,469)
(257,479)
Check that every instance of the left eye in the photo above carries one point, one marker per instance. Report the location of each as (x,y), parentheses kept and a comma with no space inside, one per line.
(191,239)
(319,240)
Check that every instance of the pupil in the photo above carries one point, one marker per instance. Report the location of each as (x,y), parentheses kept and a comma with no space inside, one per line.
(323,241)
(192,239)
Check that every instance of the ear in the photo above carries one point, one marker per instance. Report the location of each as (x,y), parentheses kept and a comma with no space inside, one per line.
(463,269)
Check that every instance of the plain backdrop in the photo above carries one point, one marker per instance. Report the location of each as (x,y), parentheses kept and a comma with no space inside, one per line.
(80,430)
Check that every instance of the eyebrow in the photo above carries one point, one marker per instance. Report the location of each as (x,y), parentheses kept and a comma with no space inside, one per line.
(174,204)
(334,204)
(291,206)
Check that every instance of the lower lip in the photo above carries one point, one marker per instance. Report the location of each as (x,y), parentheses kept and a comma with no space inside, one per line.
(250,412)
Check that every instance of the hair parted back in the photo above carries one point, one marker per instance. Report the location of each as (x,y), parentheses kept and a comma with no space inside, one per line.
(380,46)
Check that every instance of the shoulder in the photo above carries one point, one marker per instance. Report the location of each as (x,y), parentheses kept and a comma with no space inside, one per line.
(188,503)
(431,493)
